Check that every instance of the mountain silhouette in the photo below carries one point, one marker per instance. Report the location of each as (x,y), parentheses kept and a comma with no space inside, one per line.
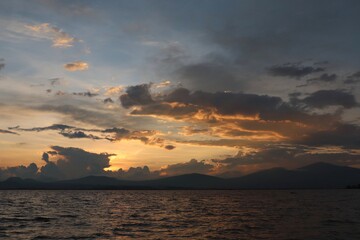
(314,176)
(317,175)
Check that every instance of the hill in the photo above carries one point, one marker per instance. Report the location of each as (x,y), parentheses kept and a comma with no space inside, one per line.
(314,176)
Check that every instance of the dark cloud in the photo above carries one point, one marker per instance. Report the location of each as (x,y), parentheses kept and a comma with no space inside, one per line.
(324,78)
(181,103)
(85,94)
(60,127)
(79,134)
(45,157)
(321,63)
(345,135)
(293,70)
(110,134)
(265,155)
(119,132)
(69,163)
(2,64)
(8,132)
(227,103)
(265,116)
(74,163)
(295,94)
(142,173)
(290,155)
(170,54)
(208,76)
(60,93)
(245,48)
(169,147)
(166,109)
(55,81)
(133,173)
(19,171)
(145,136)
(193,166)
(94,117)
(136,95)
(325,98)
(108,100)
(189,130)
(354,78)
(224,103)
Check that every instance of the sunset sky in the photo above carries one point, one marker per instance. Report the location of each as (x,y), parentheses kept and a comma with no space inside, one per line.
(148,88)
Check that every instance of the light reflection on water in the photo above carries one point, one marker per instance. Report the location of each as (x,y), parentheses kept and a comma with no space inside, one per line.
(261,214)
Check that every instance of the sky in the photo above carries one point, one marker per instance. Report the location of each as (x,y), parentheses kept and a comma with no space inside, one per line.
(144,89)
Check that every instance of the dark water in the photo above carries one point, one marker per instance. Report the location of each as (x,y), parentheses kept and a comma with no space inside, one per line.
(324,214)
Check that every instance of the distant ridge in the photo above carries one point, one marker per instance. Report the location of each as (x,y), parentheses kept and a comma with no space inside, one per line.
(314,176)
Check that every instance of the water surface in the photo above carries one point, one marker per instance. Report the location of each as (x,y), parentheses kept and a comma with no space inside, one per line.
(261,214)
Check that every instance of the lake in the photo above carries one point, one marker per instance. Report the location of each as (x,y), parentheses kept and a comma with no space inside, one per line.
(243,214)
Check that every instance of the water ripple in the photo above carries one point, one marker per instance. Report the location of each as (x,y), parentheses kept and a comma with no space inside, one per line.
(330,214)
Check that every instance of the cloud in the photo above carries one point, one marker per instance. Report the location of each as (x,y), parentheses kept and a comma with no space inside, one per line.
(119,133)
(162,84)
(59,38)
(2,64)
(231,118)
(353,78)
(325,98)
(74,163)
(169,147)
(70,163)
(114,134)
(133,173)
(145,136)
(345,135)
(108,100)
(224,103)
(94,116)
(265,155)
(64,130)
(76,66)
(112,91)
(250,48)
(182,103)
(290,155)
(293,70)
(55,81)
(8,132)
(21,171)
(208,76)
(136,95)
(189,130)
(85,94)
(79,134)
(45,157)
(60,127)
(193,166)
(325,77)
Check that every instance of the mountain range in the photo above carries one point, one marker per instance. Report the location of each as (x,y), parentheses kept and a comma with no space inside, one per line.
(314,176)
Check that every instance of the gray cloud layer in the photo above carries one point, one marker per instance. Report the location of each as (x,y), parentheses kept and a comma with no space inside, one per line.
(110,134)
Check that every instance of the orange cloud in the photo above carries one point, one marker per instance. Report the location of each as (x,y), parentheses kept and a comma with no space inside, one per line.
(59,38)
(76,66)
